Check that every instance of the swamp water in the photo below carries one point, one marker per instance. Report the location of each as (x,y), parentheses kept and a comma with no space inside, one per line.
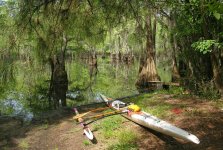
(30,85)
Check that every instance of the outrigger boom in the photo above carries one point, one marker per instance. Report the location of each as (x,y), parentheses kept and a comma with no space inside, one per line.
(79,117)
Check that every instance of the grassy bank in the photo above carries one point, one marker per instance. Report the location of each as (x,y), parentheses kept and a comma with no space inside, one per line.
(119,135)
(162,104)
(201,117)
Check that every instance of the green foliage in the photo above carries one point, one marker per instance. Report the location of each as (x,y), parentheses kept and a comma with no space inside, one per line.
(85,24)
(205,46)
(215,9)
(217,15)
(7,75)
(8,46)
(204,89)
(207,90)
(198,24)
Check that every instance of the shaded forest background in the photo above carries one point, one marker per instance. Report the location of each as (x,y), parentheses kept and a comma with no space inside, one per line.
(184,36)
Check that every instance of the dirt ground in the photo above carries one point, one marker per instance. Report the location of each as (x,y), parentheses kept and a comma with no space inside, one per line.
(202,118)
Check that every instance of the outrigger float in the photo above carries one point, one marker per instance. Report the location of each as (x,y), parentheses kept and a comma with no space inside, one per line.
(87,130)
(135,114)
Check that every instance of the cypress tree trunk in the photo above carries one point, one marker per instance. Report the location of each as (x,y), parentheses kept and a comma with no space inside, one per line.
(173,41)
(175,69)
(216,55)
(217,71)
(59,81)
(147,71)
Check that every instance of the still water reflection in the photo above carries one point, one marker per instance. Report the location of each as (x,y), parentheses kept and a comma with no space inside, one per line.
(85,82)
(115,79)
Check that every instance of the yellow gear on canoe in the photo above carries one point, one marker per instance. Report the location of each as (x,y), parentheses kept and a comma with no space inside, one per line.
(134,108)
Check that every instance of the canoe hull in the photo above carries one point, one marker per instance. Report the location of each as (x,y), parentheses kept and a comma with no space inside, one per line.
(152,122)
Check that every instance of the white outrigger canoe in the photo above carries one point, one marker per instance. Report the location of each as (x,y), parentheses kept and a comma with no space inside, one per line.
(150,121)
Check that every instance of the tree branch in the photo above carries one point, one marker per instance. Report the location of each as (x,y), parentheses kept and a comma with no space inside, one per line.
(90,4)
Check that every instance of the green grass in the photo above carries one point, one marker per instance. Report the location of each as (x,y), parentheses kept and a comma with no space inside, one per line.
(86,142)
(175,90)
(125,146)
(218,104)
(127,136)
(24,145)
(127,141)
(109,126)
(160,110)
(112,128)
(151,104)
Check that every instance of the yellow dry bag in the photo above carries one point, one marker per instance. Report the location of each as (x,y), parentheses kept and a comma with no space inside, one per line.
(134,108)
